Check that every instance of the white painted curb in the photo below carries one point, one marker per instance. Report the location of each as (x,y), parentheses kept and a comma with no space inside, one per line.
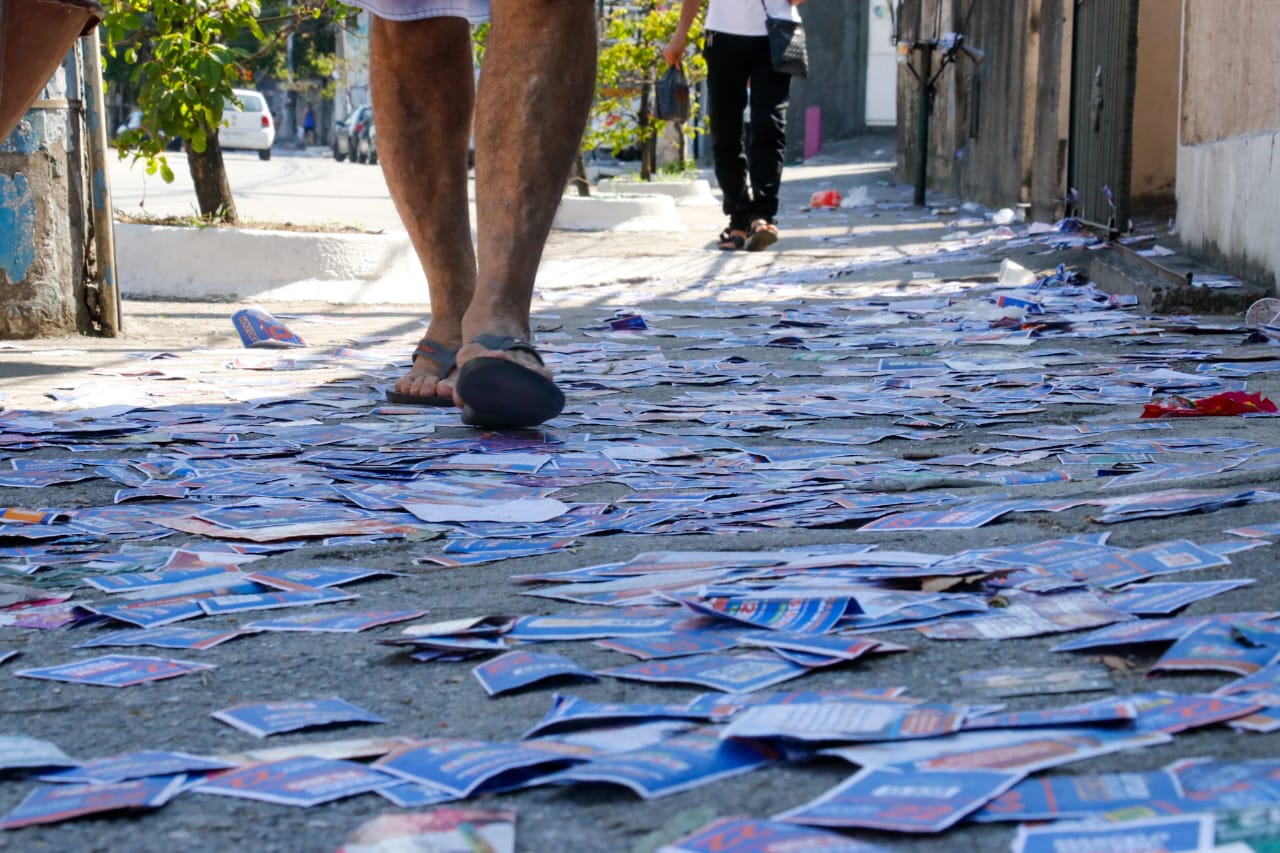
(248,264)
(618,213)
(158,261)
(684,192)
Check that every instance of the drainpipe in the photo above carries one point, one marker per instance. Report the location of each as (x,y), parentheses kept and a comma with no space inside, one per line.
(104,276)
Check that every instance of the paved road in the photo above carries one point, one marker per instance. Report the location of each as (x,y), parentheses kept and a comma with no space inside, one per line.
(743,360)
(304,187)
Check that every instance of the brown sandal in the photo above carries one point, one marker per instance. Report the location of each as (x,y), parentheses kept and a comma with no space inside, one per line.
(763,235)
(732,239)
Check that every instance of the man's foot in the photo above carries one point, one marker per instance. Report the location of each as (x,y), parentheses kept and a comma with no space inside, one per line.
(763,235)
(732,239)
(503,384)
(433,362)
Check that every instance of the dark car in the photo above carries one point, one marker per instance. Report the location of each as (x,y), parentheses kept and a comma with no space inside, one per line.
(351,136)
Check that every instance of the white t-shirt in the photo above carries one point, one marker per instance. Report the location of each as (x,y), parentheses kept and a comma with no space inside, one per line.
(746,17)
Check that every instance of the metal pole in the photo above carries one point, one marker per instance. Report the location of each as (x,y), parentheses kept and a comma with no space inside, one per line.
(922,124)
(104,241)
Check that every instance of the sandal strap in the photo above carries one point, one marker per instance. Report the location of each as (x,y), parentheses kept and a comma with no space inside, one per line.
(444,357)
(506,344)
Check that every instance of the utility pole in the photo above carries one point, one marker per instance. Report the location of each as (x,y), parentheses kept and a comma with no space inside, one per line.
(927,78)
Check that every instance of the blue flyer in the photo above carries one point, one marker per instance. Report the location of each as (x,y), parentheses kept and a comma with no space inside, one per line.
(162,638)
(409,795)
(269,718)
(464,767)
(749,835)
(685,761)
(671,645)
(55,803)
(225,604)
(731,674)
(340,623)
(900,800)
(137,765)
(115,670)
(302,781)
(518,669)
(257,328)
(1179,834)
(1057,797)
(570,712)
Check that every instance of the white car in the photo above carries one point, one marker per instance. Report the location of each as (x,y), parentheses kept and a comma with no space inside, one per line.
(249,126)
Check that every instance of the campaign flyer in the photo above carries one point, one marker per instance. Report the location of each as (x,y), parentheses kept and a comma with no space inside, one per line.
(303,781)
(899,800)
(19,752)
(137,765)
(1177,834)
(847,721)
(571,712)
(1030,681)
(54,803)
(463,767)
(749,835)
(1083,796)
(269,718)
(730,674)
(115,670)
(677,764)
(518,669)
(441,830)
(338,623)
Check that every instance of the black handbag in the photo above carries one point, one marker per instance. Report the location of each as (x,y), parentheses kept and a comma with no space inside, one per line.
(672,101)
(786,45)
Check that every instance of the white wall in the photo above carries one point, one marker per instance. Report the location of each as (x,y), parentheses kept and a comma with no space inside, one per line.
(882,68)
(1229,202)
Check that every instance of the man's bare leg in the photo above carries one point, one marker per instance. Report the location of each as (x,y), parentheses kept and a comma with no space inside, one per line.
(423,81)
(536,88)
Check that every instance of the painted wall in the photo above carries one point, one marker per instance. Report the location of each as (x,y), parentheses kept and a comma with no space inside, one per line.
(836,36)
(1155,103)
(1228,189)
(41,249)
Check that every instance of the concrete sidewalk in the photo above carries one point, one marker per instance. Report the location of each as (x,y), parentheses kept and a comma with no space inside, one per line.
(784,399)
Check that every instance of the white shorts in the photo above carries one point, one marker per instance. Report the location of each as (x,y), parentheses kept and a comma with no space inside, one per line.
(475,11)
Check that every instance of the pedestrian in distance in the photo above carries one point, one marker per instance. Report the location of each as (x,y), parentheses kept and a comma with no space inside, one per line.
(736,47)
(309,127)
(530,110)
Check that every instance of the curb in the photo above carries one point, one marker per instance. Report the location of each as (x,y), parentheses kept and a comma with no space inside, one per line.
(158,261)
(684,192)
(257,265)
(618,213)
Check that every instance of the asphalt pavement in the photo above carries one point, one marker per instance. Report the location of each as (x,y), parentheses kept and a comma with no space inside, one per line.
(861,369)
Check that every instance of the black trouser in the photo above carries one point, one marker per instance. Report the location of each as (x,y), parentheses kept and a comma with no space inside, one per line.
(733,61)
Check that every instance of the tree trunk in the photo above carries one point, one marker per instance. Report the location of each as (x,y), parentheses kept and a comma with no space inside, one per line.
(209,174)
(579,178)
(647,145)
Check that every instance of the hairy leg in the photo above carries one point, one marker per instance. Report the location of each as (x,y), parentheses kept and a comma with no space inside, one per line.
(423,81)
(536,86)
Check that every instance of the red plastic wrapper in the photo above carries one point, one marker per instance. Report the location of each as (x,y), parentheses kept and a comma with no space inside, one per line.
(825,198)
(1219,405)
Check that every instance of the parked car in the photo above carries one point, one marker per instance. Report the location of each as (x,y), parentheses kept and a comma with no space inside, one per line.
(351,136)
(248,124)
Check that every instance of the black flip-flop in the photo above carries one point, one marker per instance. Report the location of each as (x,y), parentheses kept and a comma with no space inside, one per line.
(498,393)
(444,358)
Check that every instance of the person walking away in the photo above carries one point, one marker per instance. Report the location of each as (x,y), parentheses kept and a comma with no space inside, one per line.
(736,48)
(309,127)
(530,107)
